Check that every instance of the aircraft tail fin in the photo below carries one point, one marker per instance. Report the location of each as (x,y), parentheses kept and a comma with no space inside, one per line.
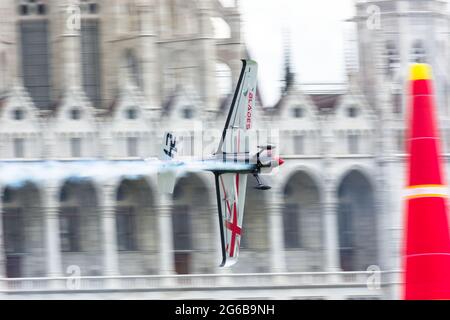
(168,147)
(167,176)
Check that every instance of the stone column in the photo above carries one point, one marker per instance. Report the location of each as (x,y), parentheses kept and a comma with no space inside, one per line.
(329,200)
(167,263)
(52,234)
(108,218)
(275,211)
(332,259)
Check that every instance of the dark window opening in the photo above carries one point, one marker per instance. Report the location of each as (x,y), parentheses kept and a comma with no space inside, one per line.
(13,230)
(298,112)
(90,60)
(23,9)
(93,8)
(126,228)
(188,113)
(182,228)
(70,229)
(18,114)
(75,114)
(346,235)
(291,226)
(36,61)
(41,9)
(352,112)
(131,113)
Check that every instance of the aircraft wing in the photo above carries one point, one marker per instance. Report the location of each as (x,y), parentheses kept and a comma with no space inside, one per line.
(231,188)
(234,145)
(239,117)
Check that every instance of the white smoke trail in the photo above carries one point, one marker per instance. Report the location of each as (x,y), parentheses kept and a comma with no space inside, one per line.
(16,173)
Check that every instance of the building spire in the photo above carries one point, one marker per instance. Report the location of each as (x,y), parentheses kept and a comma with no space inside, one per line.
(289,76)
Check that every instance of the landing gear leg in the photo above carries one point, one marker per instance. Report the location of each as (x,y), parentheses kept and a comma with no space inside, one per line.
(261,185)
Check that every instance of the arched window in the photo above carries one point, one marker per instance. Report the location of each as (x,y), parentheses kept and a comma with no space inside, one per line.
(22,231)
(77,201)
(301,218)
(357,223)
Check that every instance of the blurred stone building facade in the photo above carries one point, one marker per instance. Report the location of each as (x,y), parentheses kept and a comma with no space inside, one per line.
(131,70)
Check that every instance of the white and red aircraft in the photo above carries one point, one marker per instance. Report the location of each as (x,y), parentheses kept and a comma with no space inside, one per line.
(230,163)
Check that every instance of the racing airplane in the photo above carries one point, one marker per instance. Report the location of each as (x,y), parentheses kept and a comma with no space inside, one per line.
(230,164)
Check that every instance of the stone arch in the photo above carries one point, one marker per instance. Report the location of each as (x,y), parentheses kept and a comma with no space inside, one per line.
(357,221)
(23,231)
(193,225)
(364,170)
(302,222)
(311,172)
(136,227)
(80,225)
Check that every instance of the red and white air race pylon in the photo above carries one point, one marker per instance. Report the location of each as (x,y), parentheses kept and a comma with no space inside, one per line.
(426,256)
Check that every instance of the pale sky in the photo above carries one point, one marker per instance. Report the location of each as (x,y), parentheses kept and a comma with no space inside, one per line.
(317,36)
